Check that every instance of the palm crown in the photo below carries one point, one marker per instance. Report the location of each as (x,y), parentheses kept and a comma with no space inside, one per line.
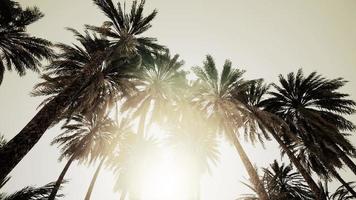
(18,49)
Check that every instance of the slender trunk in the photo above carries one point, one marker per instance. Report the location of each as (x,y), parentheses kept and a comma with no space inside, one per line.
(92,183)
(254,178)
(14,151)
(346,159)
(59,181)
(123,195)
(343,182)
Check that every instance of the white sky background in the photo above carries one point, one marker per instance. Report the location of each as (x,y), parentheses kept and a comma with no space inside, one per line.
(265,38)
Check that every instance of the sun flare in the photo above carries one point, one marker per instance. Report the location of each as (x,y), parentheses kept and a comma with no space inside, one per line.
(167,178)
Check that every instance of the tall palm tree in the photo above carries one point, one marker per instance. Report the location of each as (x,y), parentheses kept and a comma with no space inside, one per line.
(314,109)
(282,183)
(122,127)
(31,193)
(260,123)
(18,49)
(134,155)
(105,66)
(195,143)
(84,139)
(214,97)
(160,83)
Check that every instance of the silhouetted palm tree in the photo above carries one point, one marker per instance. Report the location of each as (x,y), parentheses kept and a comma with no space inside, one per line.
(84,139)
(214,97)
(313,108)
(282,183)
(106,65)
(18,49)
(31,193)
(121,128)
(341,193)
(160,83)
(259,122)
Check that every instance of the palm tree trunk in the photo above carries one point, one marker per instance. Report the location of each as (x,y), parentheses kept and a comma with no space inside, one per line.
(14,151)
(342,181)
(254,178)
(92,183)
(59,181)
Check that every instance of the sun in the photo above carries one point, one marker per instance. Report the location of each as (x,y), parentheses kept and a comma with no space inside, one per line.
(167,178)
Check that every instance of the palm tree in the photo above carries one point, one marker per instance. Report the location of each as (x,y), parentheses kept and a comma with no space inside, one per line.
(18,49)
(84,139)
(160,83)
(214,97)
(121,128)
(105,66)
(282,183)
(314,109)
(341,193)
(194,143)
(259,122)
(31,193)
(134,155)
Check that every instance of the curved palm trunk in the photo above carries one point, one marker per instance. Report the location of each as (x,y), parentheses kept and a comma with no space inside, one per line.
(14,151)
(59,181)
(343,182)
(254,178)
(92,183)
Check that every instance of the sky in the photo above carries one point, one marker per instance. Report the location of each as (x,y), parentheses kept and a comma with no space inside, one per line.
(264,37)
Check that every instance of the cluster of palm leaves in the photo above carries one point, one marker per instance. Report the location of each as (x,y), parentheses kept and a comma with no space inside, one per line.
(117,76)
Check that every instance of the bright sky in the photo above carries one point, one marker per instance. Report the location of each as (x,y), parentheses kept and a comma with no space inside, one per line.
(263,37)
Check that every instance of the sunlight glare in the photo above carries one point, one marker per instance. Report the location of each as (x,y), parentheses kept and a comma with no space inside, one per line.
(167,178)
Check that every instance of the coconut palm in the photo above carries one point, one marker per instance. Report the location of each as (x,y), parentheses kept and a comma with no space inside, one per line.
(107,66)
(341,193)
(122,127)
(85,140)
(314,109)
(214,97)
(282,183)
(260,123)
(195,144)
(160,84)
(18,49)
(134,155)
(31,193)
(325,167)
